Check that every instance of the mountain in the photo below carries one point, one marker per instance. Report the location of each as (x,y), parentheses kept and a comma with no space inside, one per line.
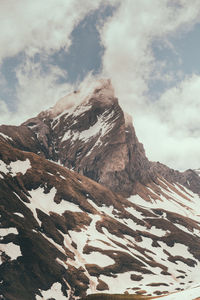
(88,132)
(82,209)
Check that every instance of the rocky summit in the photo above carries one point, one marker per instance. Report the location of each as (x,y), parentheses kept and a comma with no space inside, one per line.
(83,210)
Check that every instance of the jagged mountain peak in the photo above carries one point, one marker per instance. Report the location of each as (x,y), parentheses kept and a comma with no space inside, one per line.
(100,90)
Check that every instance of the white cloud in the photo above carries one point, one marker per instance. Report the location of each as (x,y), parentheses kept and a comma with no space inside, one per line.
(130,62)
(36,26)
(176,117)
(37,90)
(168,143)
(179,107)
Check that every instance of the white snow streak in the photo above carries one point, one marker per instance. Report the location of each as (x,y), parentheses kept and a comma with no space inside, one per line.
(6,136)
(101,127)
(19,214)
(175,203)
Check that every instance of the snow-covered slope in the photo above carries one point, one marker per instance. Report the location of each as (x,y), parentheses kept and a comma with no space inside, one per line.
(66,235)
(191,293)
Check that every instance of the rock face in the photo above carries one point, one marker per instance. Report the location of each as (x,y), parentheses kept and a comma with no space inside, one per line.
(66,229)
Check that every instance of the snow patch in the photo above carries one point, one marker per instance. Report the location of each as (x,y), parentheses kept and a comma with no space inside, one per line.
(15,167)
(3,167)
(45,202)
(11,250)
(100,259)
(54,292)
(6,231)
(19,214)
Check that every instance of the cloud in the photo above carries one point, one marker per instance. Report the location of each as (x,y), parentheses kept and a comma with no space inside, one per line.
(129,60)
(37,90)
(182,106)
(39,26)
(176,117)
(5,114)
(167,142)
(42,28)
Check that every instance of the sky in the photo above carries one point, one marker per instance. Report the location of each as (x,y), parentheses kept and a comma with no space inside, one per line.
(148,48)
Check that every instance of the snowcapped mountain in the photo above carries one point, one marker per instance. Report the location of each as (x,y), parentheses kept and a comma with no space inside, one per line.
(82,209)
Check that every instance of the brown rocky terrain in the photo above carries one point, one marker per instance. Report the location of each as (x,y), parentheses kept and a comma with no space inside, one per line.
(82,209)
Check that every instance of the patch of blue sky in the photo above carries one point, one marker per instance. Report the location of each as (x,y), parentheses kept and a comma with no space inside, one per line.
(188,48)
(167,72)
(9,80)
(85,53)
(177,57)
